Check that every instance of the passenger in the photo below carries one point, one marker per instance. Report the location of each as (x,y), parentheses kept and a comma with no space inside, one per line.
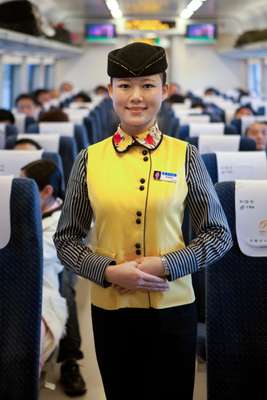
(66,88)
(42,98)
(26,144)
(174,88)
(243,111)
(143,310)
(70,345)
(258,132)
(101,90)
(54,115)
(81,97)
(6,117)
(54,307)
(211,92)
(25,104)
(175,98)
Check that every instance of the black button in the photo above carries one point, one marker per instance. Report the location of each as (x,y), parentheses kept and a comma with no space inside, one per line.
(145,158)
(138,252)
(138,221)
(138,213)
(142,180)
(138,245)
(144,152)
(141,187)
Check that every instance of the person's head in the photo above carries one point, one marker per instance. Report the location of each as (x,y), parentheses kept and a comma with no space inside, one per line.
(174,88)
(54,115)
(26,144)
(243,111)
(198,105)
(82,97)
(175,98)
(66,87)
(138,84)
(258,132)
(25,104)
(211,92)
(101,90)
(6,117)
(48,178)
(41,96)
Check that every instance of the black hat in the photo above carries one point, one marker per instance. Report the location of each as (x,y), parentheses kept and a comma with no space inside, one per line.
(136,59)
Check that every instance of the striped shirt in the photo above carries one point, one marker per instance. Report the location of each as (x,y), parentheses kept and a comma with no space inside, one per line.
(213,237)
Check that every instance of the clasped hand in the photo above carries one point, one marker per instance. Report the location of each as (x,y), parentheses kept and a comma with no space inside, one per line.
(145,273)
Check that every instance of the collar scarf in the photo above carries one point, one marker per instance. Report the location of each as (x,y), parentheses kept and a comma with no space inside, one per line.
(149,139)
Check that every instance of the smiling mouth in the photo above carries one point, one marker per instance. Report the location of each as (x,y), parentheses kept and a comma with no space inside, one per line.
(136,109)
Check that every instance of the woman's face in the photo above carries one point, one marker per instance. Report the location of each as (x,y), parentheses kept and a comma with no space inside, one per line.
(137,101)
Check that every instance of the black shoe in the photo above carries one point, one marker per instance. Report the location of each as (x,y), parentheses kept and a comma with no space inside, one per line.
(71,379)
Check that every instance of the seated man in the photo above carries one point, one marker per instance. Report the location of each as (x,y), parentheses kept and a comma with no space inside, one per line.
(258,132)
(54,306)
(25,104)
(69,346)
(26,144)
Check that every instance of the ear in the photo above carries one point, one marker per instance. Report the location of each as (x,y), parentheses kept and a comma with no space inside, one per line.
(47,191)
(165,89)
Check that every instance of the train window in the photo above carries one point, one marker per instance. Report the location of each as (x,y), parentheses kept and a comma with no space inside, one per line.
(49,76)
(11,84)
(33,77)
(254,77)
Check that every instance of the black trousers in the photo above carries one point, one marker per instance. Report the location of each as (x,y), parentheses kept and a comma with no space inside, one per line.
(70,344)
(146,353)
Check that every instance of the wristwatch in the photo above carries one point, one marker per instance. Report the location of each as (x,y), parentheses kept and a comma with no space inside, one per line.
(165,266)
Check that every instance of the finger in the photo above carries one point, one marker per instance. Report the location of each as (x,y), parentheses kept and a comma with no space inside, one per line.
(151,278)
(153,285)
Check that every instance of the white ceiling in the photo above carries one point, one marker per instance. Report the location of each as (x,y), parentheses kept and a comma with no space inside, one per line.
(248,13)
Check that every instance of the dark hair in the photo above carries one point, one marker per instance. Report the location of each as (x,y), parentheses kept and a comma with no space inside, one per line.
(28,141)
(24,96)
(45,172)
(245,106)
(255,122)
(55,115)
(37,93)
(85,97)
(6,115)
(176,98)
(101,88)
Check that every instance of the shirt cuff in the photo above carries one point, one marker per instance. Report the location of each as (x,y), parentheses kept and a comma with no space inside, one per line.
(182,262)
(93,268)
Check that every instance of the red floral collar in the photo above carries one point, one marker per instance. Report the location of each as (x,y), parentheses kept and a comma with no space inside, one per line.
(149,139)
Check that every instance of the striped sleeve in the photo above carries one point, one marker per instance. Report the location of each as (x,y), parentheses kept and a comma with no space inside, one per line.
(213,237)
(74,225)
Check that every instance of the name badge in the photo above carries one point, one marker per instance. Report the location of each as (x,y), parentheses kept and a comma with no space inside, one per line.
(165,176)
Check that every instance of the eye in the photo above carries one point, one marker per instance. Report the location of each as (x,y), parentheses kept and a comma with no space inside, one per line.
(123,85)
(148,85)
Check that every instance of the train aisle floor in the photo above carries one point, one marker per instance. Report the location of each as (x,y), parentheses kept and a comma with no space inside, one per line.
(88,365)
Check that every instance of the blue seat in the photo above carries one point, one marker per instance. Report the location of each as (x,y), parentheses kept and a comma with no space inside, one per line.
(245,144)
(67,151)
(21,295)
(79,134)
(184,132)
(236,318)
(210,162)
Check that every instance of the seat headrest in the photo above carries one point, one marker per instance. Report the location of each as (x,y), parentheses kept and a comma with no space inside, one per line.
(5,215)
(212,143)
(11,161)
(215,128)
(62,128)
(251,217)
(241,165)
(47,142)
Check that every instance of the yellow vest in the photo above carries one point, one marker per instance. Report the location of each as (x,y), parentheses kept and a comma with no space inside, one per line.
(131,207)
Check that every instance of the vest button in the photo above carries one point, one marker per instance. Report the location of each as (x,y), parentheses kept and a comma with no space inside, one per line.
(138,213)
(145,158)
(138,245)
(141,187)
(138,221)
(138,252)
(142,180)
(144,152)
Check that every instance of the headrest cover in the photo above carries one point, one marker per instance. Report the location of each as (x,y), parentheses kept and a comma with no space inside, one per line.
(5,219)
(136,59)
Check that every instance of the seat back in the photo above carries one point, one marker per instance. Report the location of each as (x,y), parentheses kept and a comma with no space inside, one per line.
(21,294)
(245,144)
(236,318)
